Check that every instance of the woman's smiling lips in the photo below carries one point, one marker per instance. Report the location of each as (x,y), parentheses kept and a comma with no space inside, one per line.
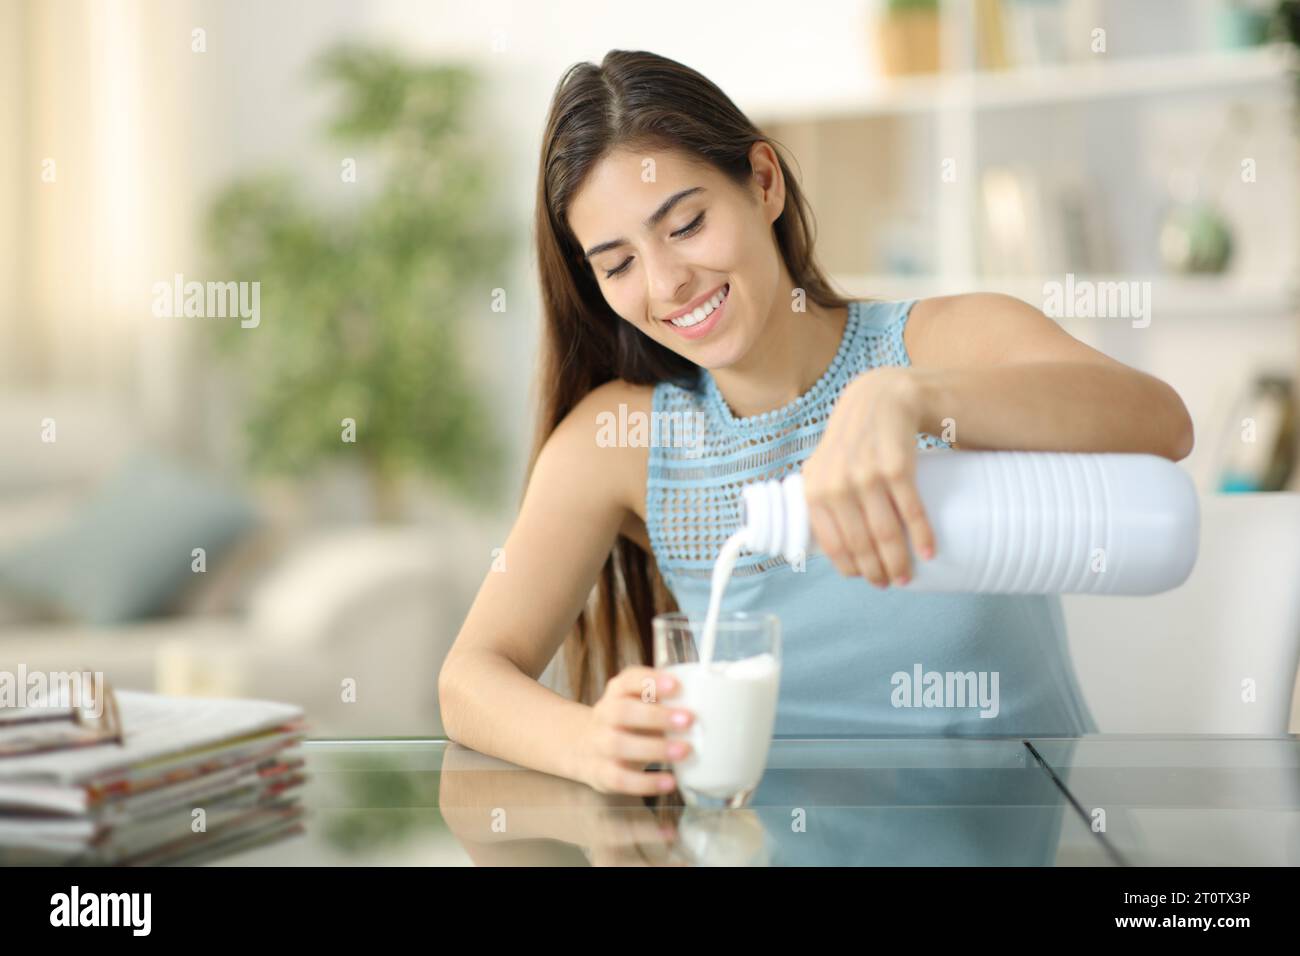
(700,327)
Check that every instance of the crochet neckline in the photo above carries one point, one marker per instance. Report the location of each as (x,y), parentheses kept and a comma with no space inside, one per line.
(816,391)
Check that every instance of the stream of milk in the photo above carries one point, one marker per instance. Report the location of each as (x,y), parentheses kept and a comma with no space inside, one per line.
(721,575)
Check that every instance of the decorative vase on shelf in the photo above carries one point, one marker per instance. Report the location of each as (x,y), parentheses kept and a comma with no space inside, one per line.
(1195,238)
(1244,24)
(907,37)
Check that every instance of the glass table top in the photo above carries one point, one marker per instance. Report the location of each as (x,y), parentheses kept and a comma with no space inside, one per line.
(822,802)
(1186,801)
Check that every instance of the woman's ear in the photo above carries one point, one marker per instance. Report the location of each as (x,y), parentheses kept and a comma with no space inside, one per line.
(768,178)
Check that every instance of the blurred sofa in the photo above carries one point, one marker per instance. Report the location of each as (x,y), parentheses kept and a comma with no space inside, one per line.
(349,620)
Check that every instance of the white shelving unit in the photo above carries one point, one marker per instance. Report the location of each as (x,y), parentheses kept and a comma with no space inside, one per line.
(1035,86)
(869,156)
(1184,297)
(948,113)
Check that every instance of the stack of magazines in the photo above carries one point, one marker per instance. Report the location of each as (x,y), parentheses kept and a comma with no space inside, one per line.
(147,780)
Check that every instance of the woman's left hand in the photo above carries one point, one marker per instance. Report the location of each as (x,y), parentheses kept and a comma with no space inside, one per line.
(860,480)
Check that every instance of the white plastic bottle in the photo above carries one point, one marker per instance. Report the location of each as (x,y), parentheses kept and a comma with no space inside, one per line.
(1012,522)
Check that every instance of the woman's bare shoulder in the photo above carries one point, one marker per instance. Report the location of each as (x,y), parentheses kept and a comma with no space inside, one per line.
(617,392)
(985,328)
(615,398)
(593,440)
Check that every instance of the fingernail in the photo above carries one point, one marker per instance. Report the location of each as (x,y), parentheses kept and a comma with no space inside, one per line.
(676,751)
(901,580)
(927,552)
(666,683)
(679,718)
(666,784)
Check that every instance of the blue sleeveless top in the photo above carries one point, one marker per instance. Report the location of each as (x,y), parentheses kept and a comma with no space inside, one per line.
(845,644)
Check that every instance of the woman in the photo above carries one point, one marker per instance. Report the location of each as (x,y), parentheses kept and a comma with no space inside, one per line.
(678,276)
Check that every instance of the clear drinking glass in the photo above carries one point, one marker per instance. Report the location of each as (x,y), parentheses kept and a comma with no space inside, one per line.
(733,700)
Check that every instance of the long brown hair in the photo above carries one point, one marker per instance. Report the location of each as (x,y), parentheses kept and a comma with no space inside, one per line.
(639,101)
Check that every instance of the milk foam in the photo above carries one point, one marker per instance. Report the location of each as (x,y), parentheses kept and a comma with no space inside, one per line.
(758,667)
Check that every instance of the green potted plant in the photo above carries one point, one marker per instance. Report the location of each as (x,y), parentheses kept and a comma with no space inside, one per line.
(365,294)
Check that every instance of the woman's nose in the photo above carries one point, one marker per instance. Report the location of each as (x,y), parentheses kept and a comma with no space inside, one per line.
(666,280)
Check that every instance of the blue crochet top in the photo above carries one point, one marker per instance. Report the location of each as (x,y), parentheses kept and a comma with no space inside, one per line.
(856,660)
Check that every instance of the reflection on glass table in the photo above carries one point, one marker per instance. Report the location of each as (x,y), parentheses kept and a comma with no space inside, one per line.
(1186,800)
(1096,800)
(902,801)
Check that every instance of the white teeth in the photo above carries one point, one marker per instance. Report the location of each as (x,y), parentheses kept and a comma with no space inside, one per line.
(703,312)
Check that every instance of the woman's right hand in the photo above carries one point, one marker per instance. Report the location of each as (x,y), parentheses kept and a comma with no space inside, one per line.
(626,731)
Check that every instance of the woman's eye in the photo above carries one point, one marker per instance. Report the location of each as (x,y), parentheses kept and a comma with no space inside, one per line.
(620,270)
(686,230)
(692,227)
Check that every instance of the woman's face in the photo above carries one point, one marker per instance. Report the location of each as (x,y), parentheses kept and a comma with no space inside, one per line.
(663,235)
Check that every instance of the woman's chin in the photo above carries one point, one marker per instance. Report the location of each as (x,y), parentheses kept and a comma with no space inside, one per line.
(712,352)
(718,355)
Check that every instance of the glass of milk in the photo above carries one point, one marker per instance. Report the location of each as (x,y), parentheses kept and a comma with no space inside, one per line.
(733,699)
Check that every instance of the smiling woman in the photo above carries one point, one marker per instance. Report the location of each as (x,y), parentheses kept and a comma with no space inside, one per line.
(683,251)
(678,279)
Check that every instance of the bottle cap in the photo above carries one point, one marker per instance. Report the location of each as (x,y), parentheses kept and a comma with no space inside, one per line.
(757,516)
(796,537)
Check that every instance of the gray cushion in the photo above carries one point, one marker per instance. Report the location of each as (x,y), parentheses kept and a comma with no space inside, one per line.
(127,553)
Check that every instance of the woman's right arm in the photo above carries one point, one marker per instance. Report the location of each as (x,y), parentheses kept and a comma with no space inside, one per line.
(575,504)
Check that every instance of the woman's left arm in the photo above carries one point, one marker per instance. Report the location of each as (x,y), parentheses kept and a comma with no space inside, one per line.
(988,371)
(1004,375)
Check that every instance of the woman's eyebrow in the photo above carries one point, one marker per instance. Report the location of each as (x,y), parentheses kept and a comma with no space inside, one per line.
(655,218)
